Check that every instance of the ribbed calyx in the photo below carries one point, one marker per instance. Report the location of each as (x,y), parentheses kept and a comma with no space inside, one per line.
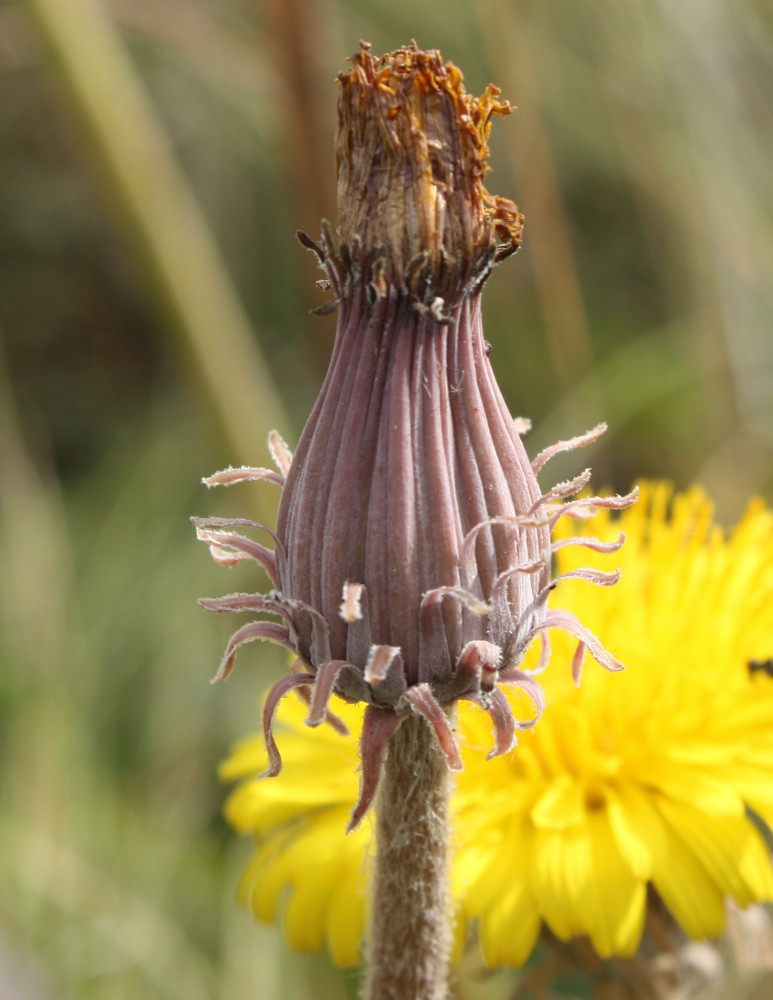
(411,155)
(407,455)
(412,559)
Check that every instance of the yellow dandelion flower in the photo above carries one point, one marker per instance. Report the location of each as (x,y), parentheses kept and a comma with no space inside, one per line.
(661,775)
(305,871)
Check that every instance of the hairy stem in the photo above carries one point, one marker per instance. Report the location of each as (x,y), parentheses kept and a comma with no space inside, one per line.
(411,930)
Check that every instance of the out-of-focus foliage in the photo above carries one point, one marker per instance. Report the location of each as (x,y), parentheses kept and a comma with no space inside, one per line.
(640,156)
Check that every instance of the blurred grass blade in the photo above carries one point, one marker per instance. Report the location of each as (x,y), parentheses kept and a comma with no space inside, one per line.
(166,222)
(534,162)
(36,548)
(122,924)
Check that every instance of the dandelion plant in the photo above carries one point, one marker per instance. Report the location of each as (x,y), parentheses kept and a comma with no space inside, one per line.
(412,557)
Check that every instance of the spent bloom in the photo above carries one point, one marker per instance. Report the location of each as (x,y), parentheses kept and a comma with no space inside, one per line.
(411,563)
(649,789)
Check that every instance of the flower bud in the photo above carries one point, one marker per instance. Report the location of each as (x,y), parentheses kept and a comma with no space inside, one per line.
(412,563)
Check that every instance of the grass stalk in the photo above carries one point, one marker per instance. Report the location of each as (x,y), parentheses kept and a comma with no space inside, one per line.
(156,203)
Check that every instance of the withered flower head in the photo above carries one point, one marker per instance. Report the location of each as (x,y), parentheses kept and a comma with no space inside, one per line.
(412,557)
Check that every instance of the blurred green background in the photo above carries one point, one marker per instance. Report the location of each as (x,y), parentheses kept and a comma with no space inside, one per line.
(156,158)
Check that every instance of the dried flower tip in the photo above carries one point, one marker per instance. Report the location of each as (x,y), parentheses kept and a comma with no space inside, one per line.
(412,153)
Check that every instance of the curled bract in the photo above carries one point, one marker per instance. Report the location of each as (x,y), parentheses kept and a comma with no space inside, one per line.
(468,634)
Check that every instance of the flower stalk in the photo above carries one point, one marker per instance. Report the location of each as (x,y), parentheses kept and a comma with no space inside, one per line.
(412,919)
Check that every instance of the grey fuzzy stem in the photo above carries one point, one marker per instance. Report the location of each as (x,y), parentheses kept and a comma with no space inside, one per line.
(410,938)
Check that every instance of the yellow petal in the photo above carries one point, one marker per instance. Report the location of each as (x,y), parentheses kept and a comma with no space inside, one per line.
(637,827)
(500,898)
(687,889)
(510,926)
(561,805)
(323,862)
(693,785)
(615,897)
(728,847)
(558,875)
(264,880)
(583,885)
